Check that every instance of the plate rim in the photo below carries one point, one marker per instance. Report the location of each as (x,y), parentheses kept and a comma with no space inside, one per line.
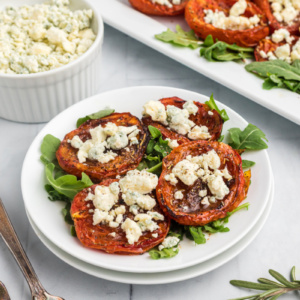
(245,242)
(164,90)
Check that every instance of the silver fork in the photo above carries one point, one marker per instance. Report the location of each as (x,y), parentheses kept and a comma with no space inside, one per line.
(10,237)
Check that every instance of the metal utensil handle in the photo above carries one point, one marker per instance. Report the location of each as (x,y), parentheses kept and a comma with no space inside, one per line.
(10,237)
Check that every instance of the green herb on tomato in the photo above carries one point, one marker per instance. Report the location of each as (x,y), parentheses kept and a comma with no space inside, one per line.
(212,105)
(98,115)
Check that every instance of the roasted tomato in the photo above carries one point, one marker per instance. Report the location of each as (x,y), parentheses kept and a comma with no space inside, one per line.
(188,210)
(127,159)
(150,8)
(98,236)
(194,15)
(267,45)
(274,24)
(204,116)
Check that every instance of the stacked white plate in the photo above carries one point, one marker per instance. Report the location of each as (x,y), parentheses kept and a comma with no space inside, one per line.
(47,221)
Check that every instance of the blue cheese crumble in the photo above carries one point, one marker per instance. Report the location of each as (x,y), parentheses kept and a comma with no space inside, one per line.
(41,37)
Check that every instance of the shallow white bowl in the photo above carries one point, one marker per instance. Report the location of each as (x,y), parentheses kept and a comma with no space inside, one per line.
(34,98)
(48,218)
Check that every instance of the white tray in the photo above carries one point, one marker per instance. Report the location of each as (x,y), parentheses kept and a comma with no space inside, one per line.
(120,15)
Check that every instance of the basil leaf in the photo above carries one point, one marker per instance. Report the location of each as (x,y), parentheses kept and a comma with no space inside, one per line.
(49,147)
(98,115)
(155,133)
(164,253)
(67,185)
(250,138)
(247,164)
(179,37)
(212,105)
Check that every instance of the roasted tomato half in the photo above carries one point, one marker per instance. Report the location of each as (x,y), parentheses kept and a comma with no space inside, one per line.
(194,15)
(267,45)
(149,7)
(274,24)
(127,158)
(205,116)
(112,240)
(188,209)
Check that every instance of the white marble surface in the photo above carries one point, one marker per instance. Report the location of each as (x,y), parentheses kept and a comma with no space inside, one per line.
(128,63)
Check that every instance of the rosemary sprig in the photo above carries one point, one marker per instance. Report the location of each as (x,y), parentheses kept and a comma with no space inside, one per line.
(272,289)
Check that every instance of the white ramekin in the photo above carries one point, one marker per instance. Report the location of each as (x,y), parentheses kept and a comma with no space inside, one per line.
(34,98)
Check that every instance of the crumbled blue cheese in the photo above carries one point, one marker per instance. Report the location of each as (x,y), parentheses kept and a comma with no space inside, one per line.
(177,119)
(281,35)
(285,11)
(172,178)
(178,195)
(40,37)
(168,3)
(135,188)
(156,110)
(191,107)
(102,139)
(142,182)
(172,143)
(234,21)
(169,242)
(206,168)
(132,230)
(145,222)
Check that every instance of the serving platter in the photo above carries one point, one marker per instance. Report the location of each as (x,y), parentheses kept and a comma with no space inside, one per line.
(120,15)
(48,218)
(164,277)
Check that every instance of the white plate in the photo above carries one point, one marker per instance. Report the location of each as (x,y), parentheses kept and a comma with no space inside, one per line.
(47,215)
(164,277)
(120,15)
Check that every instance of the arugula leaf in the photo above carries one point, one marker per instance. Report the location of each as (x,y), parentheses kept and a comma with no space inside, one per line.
(247,164)
(250,138)
(67,185)
(229,214)
(212,105)
(197,235)
(54,195)
(67,214)
(155,133)
(221,138)
(49,147)
(164,253)
(179,38)
(73,231)
(278,67)
(221,51)
(98,115)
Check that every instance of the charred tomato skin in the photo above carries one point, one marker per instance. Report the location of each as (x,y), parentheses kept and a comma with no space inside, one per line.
(267,45)
(265,6)
(213,122)
(125,161)
(194,15)
(196,215)
(97,236)
(150,8)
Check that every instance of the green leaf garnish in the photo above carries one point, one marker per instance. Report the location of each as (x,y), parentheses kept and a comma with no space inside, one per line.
(197,235)
(49,147)
(67,185)
(179,38)
(272,289)
(277,73)
(221,138)
(212,105)
(251,138)
(221,51)
(247,164)
(155,133)
(164,253)
(98,115)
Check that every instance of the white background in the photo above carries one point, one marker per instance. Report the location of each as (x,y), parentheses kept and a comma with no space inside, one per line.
(128,63)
